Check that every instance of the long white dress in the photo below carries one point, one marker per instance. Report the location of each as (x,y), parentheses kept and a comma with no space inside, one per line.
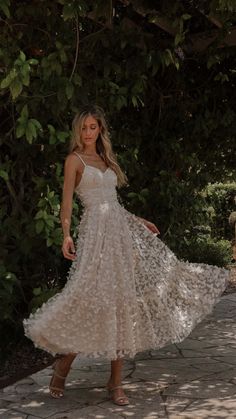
(126,291)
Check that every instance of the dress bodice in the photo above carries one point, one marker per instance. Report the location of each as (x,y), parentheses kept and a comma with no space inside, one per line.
(97,187)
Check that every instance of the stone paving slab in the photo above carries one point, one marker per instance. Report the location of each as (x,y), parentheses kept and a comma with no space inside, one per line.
(86,413)
(208,409)
(193,379)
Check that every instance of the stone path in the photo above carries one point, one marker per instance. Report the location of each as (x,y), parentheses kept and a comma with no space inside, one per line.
(191,380)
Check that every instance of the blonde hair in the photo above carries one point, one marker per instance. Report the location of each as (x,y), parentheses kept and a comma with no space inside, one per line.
(103,143)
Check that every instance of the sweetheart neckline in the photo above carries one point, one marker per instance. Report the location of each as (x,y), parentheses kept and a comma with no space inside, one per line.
(93,167)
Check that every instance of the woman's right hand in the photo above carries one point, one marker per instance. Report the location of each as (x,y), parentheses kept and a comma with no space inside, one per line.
(68,248)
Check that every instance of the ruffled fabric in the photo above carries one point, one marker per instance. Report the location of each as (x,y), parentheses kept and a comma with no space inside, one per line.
(126,292)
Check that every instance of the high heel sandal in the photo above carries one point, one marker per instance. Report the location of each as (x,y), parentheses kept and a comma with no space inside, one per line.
(117,400)
(56,392)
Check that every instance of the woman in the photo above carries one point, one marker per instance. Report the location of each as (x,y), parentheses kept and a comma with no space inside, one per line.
(126,290)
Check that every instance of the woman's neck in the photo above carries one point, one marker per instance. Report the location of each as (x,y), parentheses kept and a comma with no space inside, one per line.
(90,150)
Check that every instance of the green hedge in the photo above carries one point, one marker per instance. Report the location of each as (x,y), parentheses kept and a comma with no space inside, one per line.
(171,129)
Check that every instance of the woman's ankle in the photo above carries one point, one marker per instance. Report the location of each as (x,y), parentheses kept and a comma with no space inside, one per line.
(114,382)
(64,363)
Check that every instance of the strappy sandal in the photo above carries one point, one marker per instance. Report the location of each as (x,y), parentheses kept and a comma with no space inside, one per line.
(56,392)
(119,400)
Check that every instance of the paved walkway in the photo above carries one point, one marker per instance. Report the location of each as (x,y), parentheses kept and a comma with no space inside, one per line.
(191,380)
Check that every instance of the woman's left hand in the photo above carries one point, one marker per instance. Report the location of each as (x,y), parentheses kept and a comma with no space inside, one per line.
(150,225)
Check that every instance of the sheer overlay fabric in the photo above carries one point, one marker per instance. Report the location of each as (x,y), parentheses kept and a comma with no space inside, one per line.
(126,292)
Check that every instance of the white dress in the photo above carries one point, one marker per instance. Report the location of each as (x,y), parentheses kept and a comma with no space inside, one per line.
(126,291)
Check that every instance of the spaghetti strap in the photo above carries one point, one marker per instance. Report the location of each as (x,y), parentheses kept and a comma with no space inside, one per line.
(80,158)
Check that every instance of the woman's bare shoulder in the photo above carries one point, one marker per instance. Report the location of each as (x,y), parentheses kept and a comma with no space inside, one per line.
(72,161)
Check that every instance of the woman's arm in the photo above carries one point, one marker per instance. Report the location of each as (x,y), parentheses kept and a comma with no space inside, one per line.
(70,171)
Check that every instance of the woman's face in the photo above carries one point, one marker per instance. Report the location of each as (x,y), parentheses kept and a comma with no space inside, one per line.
(90,131)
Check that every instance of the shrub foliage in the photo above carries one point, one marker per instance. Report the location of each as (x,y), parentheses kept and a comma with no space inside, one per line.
(165,74)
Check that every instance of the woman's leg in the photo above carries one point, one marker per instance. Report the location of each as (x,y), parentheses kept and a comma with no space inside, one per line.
(115,380)
(116,370)
(61,369)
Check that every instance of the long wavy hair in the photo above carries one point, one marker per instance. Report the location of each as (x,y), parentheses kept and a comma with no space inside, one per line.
(103,143)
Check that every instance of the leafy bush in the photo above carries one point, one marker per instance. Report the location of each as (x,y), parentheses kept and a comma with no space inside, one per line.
(162,92)
(220,203)
(209,236)
(210,251)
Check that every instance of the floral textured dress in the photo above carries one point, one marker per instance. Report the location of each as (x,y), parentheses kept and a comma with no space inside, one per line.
(126,291)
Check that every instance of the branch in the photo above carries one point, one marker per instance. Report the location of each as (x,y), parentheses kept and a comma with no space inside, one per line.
(201,41)
(194,43)
(163,23)
(154,17)
(106,11)
(14,196)
(215,21)
(77,47)
(91,35)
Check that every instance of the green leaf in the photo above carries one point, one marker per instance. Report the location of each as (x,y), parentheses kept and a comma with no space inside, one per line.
(45,215)
(20,130)
(16,88)
(37,291)
(8,79)
(22,56)
(131,195)
(25,79)
(221,77)
(49,241)
(39,226)
(68,11)
(51,129)
(178,38)
(5,82)
(62,136)
(63,56)
(177,64)
(32,61)
(134,101)
(25,69)
(186,16)
(52,139)
(4,6)
(69,90)
(51,194)
(58,44)
(8,286)
(39,215)
(32,128)
(213,59)
(167,57)
(29,134)
(10,276)
(49,222)
(36,123)
(13,73)
(77,79)
(144,192)
(4,175)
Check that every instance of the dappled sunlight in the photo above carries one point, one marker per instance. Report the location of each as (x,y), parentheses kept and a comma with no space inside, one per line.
(195,378)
